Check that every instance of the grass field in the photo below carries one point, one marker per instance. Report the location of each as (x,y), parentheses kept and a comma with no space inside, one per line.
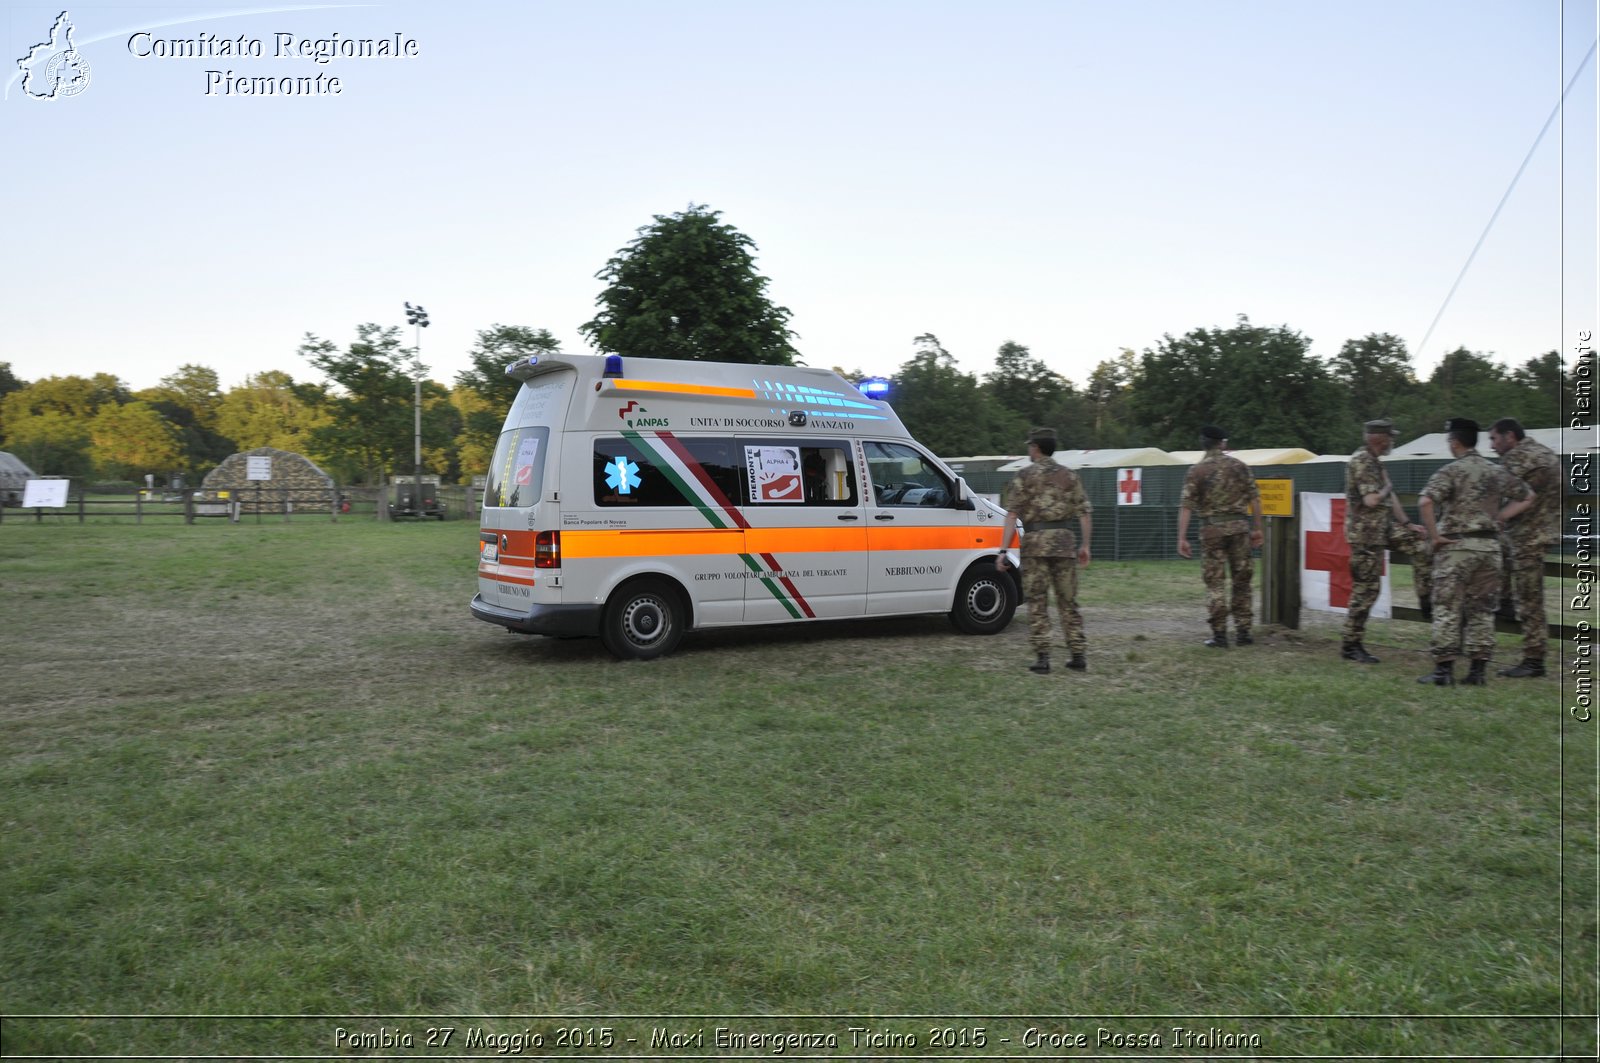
(277,770)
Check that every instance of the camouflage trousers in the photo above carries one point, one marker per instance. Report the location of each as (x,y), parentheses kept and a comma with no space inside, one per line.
(1524,585)
(1366,575)
(1222,557)
(1041,576)
(1466,589)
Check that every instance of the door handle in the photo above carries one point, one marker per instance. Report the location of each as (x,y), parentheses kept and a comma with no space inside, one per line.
(849,516)
(884,516)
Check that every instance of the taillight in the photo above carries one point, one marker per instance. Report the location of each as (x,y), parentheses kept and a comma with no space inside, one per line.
(547,550)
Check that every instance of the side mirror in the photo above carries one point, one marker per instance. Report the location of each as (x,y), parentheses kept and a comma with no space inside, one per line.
(963,497)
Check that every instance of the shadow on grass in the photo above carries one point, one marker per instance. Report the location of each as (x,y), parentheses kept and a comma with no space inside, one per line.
(545,649)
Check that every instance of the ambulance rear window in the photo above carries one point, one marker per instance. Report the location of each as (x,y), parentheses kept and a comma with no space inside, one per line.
(516,475)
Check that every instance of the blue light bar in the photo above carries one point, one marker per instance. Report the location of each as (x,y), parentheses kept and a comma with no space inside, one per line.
(873,387)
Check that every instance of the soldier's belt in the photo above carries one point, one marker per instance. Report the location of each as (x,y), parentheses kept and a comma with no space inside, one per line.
(1225,518)
(1047,525)
(1475,534)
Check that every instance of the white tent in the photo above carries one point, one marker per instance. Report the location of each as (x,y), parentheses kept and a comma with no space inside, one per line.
(1102,459)
(1263,456)
(1560,440)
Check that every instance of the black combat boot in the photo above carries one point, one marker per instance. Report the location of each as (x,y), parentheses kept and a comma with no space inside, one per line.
(1443,675)
(1528,669)
(1475,675)
(1042,665)
(1354,651)
(1077,664)
(1218,640)
(1242,638)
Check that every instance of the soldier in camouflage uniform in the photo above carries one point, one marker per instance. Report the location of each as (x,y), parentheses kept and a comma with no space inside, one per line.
(1466,544)
(1374,521)
(1221,491)
(1045,497)
(1529,536)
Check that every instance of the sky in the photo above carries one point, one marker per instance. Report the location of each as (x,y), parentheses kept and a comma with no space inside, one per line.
(1078,176)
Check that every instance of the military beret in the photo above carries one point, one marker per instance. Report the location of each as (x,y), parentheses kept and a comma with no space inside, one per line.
(1380,427)
(1461,424)
(1211,431)
(1042,435)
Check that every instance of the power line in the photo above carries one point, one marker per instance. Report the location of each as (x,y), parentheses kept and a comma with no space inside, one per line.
(1416,354)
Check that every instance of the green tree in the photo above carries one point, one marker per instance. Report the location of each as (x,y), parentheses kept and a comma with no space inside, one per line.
(47,421)
(1468,384)
(1376,373)
(190,399)
(193,387)
(947,411)
(1024,385)
(1260,384)
(441,428)
(52,443)
(1108,397)
(483,393)
(369,431)
(9,382)
(270,410)
(131,439)
(1539,381)
(688,288)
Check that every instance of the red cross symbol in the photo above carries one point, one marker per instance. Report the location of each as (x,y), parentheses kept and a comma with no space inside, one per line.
(1130,486)
(1327,551)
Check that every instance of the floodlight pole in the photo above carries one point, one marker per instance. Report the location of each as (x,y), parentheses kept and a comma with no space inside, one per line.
(417,316)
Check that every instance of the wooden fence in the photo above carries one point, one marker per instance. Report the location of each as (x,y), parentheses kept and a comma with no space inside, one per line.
(250,505)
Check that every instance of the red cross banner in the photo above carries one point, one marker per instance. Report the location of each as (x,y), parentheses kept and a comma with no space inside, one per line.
(1130,487)
(1325,558)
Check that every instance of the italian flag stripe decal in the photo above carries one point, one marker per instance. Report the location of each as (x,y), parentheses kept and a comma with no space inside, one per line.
(695,484)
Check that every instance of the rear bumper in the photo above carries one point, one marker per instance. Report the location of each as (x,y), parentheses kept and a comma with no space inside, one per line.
(572,620)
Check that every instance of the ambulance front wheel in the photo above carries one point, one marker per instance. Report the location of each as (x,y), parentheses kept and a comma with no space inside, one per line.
(985,601)
(643,620)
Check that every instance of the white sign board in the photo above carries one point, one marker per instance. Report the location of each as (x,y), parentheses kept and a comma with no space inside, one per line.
(258,467)
(50,494)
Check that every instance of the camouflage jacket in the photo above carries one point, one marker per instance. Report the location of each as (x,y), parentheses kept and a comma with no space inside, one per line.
(1046,493)
(1537,466)
(1469,492)
(1363,524)
(1221,491)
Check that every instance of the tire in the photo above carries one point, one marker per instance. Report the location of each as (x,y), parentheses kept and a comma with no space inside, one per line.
(643,620)
(985,601)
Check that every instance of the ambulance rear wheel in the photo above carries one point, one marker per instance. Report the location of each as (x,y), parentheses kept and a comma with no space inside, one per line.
(643,620)
(985,601)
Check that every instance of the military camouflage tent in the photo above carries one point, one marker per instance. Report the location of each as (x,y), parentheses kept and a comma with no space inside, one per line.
(14,477)
(295,482)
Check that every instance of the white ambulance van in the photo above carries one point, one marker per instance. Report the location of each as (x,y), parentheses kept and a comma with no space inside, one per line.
(637,499)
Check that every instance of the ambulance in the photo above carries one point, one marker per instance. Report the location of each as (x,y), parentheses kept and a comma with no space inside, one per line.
(637,499)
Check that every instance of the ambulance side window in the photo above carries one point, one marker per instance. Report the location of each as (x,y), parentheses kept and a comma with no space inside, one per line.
(655,472)
(903,476)
(805,472)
